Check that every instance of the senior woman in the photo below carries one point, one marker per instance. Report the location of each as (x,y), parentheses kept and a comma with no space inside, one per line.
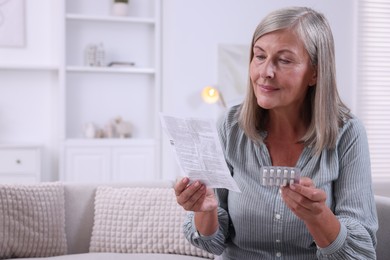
(292,116)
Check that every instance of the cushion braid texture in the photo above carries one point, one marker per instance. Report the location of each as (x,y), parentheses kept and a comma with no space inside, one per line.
(32,220)
(140,220)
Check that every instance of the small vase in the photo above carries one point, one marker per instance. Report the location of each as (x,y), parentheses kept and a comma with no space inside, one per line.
(120,9)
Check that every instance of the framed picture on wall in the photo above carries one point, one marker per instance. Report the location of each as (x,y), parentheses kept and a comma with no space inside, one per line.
(233,62)
(12,23)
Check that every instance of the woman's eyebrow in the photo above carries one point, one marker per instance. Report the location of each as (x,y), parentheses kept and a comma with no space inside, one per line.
(258,47)
(286,51)
(279,51)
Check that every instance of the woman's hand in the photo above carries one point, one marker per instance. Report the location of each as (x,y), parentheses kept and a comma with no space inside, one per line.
(309,204)
(195,196)
(304,199)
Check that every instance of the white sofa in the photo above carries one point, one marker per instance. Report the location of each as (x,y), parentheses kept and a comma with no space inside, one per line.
(150,203)
(381,187)
(383,234)
(80,222)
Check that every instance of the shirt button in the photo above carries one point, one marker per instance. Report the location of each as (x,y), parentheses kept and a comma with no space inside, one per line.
(278,254)
(277,240)
(196,235)
(277,216)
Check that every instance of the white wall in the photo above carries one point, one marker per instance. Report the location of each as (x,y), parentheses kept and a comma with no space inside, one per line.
(193,29)
(41,27)
(28,104)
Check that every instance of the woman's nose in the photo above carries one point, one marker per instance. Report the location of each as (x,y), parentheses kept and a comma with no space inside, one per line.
(267,70)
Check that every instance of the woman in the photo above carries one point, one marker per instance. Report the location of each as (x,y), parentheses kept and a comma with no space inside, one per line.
(292,116)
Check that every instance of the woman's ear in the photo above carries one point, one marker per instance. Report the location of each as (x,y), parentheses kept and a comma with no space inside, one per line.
(313,80)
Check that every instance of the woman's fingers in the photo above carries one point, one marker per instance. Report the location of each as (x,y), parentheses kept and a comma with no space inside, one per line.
(190,196)
(307,182)
(304,199)
(311,193)
(180,185)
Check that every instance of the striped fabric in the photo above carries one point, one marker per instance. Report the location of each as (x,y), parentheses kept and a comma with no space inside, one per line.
(256,224)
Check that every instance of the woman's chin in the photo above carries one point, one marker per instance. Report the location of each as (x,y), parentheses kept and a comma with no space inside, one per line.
(265,105)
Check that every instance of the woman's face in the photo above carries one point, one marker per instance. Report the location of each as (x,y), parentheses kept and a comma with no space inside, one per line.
(281,71)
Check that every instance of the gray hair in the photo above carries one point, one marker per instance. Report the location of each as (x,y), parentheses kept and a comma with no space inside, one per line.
(325,110)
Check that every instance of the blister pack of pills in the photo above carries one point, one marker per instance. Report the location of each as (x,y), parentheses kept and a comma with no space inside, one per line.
(280,175)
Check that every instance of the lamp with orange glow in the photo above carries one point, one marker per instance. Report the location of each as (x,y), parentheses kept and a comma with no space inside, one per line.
(212,95)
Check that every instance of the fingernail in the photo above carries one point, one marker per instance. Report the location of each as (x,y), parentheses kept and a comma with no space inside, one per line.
(184,180)
(293,187)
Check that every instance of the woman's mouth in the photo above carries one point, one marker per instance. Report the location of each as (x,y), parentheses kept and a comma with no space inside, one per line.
(267,88)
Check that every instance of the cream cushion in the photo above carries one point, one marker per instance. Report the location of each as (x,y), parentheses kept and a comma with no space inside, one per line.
(140,220)
(32,220)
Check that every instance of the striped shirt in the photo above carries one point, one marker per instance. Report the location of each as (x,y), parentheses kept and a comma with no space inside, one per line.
(257,224)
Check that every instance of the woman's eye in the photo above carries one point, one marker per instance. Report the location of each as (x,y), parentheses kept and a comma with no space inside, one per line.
(260,57)
(284,61)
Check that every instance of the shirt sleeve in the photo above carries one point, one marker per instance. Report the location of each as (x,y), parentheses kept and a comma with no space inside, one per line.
(214,244)
(354,200)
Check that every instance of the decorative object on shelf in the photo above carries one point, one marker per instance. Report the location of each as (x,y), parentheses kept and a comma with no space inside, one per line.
(12,23)
(120,8)
(89,55)
(94,55)
(212,95)
(100,55)
(121,64)
(122,128)
(115,128)
(92,131)
(110,129)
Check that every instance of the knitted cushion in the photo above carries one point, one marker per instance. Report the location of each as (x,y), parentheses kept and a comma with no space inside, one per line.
(32,220)
(140,220)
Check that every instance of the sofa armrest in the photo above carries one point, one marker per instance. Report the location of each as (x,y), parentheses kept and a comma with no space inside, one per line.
(383,234)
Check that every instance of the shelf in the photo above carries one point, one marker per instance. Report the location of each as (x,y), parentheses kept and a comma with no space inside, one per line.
(28,67)
(20,145)
(109,142)
(129,70)
(99,18)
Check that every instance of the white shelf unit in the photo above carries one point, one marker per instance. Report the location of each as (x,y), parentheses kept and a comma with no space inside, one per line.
(20,163)
(100,94)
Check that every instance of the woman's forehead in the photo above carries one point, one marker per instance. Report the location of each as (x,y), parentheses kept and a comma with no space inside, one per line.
(281,41)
